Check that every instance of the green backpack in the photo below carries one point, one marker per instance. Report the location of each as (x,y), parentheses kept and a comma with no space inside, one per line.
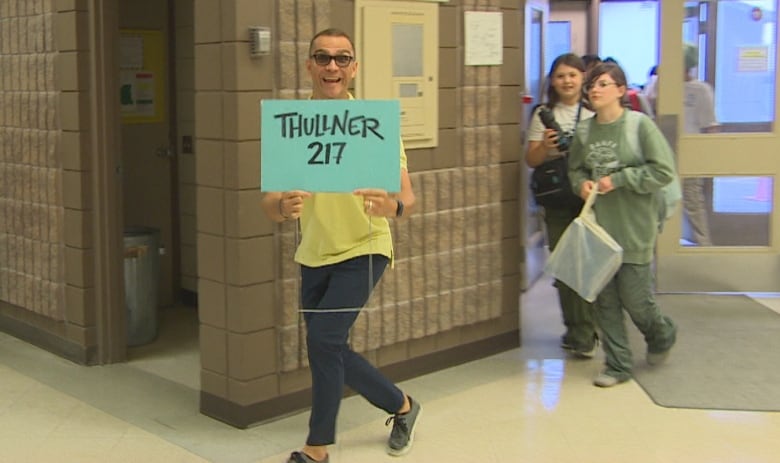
(672,192)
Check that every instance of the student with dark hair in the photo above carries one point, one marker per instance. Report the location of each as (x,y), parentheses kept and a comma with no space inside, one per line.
(629,186)
(345,248)
(564,99)
(634,98)
(590,61)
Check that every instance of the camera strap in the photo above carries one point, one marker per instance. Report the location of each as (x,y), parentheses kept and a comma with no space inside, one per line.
(577,119)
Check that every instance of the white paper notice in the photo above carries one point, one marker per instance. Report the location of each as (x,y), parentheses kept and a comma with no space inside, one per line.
(484,38)
(753,59)
(131,52)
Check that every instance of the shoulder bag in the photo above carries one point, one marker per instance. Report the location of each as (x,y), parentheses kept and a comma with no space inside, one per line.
(550,183)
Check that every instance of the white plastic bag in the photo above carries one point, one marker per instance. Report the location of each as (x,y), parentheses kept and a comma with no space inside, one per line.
(586,256)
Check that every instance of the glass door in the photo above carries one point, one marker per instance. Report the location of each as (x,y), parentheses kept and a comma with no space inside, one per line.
(531,224)
(721,113)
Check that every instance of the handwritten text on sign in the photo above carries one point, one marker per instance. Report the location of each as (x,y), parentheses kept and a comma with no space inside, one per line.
(330,145)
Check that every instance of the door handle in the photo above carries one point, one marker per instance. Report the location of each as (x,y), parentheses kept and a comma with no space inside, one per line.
(165,151)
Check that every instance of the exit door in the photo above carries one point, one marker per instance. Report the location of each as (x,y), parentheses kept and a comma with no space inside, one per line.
(726,235)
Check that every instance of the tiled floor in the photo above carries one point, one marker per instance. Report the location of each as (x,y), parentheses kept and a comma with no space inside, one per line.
(527,405)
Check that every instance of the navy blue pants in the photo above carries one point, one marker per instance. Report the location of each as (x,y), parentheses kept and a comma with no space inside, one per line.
(333,364)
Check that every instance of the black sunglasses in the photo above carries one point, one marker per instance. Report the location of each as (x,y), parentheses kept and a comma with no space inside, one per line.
(323,59)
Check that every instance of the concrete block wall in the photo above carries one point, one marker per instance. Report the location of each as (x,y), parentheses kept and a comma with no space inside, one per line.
(33,218)
(235,242)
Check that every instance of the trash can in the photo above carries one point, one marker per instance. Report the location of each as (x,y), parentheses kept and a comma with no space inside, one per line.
(142,280)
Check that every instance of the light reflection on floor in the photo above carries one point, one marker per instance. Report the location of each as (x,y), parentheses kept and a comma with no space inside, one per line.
(545,379)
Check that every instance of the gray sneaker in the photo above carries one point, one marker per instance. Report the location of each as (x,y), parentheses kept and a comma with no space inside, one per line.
(402,435)
(655,359)
(587,352)
(604,379)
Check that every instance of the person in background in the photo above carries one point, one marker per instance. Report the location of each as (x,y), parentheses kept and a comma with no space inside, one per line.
(635,99)
(564,99)
(699,117)
(590,61)
(343,235)
(650,90)
(628,209)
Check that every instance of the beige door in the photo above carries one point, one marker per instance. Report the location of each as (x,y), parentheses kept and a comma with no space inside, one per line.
(727,235)
(148,161)
(534,71)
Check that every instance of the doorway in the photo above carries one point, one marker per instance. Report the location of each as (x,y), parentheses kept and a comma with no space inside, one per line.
(156,74)
(531,223)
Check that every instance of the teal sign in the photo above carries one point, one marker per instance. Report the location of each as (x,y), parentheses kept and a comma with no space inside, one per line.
(330,145)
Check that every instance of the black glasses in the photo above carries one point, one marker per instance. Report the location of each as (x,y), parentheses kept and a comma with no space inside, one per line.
(323,59)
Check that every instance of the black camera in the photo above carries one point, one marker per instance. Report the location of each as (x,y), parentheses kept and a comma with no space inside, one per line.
(548,120)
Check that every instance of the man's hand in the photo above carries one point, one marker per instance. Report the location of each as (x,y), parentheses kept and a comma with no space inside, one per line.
(377,202)
(291,204)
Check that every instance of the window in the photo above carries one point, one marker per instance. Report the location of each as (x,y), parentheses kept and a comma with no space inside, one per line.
(558,39)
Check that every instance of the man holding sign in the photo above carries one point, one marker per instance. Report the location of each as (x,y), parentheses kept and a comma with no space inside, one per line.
(344,249)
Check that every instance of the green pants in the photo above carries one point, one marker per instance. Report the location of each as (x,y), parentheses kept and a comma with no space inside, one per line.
(631,289)
(577,312)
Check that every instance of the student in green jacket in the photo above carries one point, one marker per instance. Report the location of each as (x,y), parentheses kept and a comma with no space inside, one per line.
(628,208)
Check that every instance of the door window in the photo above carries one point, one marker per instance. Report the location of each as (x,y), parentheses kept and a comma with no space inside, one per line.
(730,48)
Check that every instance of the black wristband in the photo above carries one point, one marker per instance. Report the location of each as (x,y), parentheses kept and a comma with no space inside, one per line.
(400,210)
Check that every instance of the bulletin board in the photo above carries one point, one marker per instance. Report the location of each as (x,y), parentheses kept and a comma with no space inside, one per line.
(142,78)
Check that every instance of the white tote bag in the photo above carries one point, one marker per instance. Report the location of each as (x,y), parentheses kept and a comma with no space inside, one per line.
(586,256)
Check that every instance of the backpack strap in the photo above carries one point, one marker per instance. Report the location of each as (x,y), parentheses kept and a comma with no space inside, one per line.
(582,130)
(631,133)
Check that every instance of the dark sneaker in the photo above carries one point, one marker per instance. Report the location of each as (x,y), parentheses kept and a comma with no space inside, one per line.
(402,436)
(300,457)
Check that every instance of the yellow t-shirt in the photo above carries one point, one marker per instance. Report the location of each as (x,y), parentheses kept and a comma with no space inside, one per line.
(335,228)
